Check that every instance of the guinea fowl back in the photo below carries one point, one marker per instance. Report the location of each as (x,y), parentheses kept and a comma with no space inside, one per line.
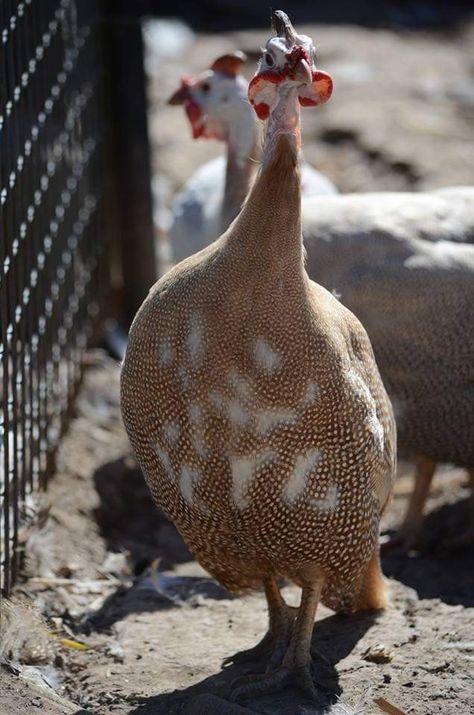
(252,398)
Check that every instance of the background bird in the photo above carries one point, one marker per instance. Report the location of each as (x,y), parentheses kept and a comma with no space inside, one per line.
(404,264)
(253,402)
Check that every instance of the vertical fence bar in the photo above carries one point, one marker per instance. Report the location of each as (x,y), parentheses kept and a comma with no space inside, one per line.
(5,294)
(124,44)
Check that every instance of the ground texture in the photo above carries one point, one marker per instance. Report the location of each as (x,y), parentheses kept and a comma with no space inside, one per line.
(106,569)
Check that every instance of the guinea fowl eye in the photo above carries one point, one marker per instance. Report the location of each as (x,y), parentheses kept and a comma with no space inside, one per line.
(205,87)
(269,59)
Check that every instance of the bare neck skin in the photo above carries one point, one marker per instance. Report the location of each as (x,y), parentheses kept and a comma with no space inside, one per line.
(241,153)
(267,232)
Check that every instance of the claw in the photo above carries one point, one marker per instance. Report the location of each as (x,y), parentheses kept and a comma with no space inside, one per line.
(302,678)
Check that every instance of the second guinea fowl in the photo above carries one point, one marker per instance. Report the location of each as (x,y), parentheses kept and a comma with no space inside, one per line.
(253,402)
(404,263)
(217,108)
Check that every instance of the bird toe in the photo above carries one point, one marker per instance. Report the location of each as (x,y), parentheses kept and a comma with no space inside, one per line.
(251,655)
(255,685)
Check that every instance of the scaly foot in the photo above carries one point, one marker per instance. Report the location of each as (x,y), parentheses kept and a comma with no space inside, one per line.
(405,539)
(271,648)
(262,650)
(275,680)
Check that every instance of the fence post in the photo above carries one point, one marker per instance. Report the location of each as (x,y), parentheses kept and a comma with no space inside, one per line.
(130,154)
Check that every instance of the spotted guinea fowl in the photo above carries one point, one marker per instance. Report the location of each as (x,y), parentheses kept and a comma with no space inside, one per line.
(404,264)
(217,107)
(253,402)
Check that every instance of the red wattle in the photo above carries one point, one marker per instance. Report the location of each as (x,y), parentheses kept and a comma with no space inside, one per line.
(310,95)
(326,79)
(307,102)
(272,76)
(259,80)
(263,110)
(194,112)
(318,92)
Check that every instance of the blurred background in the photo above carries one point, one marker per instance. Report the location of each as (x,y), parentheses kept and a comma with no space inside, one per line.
(401,115)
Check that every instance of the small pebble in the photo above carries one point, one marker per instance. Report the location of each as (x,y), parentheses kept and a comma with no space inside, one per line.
(378,654)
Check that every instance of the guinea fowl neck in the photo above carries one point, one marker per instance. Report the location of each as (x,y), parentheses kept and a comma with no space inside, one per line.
(238,177)
(268,232)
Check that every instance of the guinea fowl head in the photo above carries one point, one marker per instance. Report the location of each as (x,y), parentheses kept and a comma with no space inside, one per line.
(287,67)
(214,100)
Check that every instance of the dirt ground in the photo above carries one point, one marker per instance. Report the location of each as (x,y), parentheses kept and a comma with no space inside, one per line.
(106,570)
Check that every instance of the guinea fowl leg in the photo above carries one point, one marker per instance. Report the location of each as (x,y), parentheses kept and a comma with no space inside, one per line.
(296,666)
(466,538)
(409,532)
(273,644)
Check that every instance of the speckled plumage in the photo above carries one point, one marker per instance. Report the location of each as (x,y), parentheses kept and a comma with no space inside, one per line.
(237,368)
(255,408)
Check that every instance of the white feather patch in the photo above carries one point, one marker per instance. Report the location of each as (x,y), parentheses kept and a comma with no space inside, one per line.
(266,357)
(305,464)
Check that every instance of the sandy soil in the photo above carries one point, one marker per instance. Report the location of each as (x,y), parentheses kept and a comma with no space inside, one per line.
(108,571)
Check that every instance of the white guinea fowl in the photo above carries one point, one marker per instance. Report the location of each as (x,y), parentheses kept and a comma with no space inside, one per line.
(217,107)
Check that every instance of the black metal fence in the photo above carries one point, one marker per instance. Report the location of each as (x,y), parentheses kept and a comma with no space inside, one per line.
(53,248)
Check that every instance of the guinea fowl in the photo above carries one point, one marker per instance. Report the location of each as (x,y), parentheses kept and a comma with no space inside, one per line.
(217,108)
(410,280)
(253,402)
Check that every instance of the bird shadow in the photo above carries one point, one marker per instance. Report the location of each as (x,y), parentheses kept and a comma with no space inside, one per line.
(333,639)
(130,521)
(152,591)
(433,571)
